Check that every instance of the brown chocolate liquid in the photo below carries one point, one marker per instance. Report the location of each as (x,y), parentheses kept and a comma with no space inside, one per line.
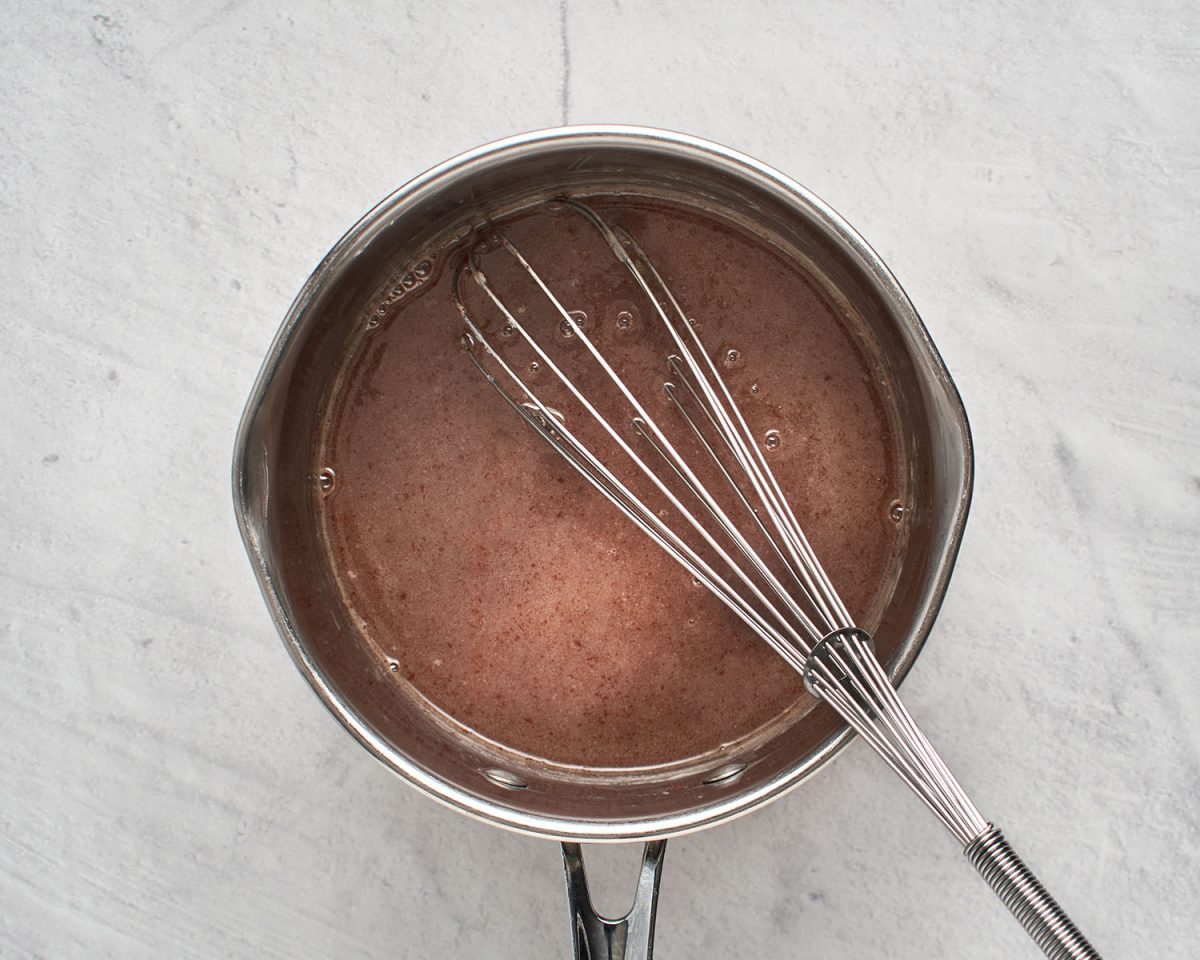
(511,595)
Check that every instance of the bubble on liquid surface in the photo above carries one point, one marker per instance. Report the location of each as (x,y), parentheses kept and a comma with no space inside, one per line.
(771,440)
(534,366)
(326,479)
(372,322)
(896,511)
(564,327)
(508,330)
(732,358)
(467,341)
(393,665)
(423,269)
(408,281)
(624,320)
(754,389)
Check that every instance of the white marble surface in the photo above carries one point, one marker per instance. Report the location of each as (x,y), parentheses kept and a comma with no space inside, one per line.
(170,173)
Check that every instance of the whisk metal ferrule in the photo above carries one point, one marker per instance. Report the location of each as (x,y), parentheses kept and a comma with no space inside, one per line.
(822,656)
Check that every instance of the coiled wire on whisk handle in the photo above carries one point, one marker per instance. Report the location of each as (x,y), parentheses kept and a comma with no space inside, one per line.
(843,671)
(1038,912)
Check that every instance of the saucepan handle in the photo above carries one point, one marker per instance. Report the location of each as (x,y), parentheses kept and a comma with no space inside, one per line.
(632,936)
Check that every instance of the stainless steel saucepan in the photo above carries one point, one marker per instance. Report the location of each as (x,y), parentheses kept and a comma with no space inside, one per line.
(275,492)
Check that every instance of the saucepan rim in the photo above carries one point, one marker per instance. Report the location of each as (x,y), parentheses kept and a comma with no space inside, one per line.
(332,266)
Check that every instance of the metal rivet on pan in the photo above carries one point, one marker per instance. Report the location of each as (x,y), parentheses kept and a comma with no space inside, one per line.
(503,778)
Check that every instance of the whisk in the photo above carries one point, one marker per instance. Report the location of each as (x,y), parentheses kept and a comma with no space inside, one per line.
(731,527)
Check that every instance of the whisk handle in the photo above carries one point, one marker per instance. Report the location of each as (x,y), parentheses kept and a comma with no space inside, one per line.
(1014,883)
